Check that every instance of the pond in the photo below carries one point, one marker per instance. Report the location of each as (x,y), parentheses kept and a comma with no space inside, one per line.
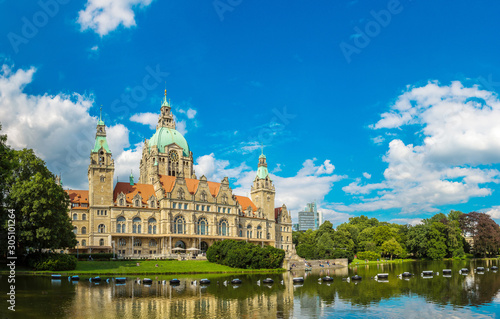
(472,295)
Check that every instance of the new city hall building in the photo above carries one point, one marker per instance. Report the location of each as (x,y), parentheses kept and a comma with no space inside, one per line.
(169,210)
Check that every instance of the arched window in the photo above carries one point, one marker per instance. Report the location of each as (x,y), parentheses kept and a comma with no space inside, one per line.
(152,243)
(84,242)
(122,242)
(101,242)
(122,202)
(223,228)
(120,224)
(137,203)
(84,216)
(179,225)
(152,226)
(152,203)
(136,225)
(137,242)
(202,227)
(75,217)
(249,231)
(101,228)
(240,229)
(75,230)
(84,230)
(259,232)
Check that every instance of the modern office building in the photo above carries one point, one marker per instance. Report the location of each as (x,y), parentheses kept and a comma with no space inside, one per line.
(310,218)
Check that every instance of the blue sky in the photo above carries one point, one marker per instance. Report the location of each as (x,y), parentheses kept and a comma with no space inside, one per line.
(384,108)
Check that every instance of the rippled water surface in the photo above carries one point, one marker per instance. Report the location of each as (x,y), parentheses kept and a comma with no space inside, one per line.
(475,295)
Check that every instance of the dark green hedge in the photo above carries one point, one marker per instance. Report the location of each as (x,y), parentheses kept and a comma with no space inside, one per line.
(51,261)
(240,254)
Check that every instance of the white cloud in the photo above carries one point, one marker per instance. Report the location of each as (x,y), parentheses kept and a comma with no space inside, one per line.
(104,16)
(366,175)
(461,129)
(190,113)
(494,212)
(58,128)
(148,118)
(94,48)
(215,169)
(404,221)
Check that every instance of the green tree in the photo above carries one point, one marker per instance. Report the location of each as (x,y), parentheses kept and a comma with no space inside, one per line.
(392,247)
(382,234)
(436,245)
(416,242)
(325,246)
(342,239)
(40,205)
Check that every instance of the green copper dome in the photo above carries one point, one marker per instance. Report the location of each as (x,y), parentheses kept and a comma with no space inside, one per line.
(262,172)
(165,136)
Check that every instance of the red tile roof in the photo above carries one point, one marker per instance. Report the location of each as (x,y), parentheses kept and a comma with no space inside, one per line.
(146,191)
(245,202)
(78,196)
(168,182)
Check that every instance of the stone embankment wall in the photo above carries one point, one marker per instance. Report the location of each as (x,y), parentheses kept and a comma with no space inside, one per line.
(315,264)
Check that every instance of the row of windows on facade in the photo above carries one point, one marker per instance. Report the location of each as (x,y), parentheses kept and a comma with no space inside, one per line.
(99,212)
(123,242)
(179,227)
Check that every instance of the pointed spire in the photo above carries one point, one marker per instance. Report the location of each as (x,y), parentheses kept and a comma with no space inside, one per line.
(131,178)
(100,122)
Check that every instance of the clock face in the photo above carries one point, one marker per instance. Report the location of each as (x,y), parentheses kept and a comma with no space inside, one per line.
(173,156)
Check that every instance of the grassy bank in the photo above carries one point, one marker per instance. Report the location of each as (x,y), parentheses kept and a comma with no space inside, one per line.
(124,267)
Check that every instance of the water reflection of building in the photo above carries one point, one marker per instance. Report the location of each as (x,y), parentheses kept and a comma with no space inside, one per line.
(184,301)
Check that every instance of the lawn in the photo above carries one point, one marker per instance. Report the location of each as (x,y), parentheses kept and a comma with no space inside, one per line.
(124,267)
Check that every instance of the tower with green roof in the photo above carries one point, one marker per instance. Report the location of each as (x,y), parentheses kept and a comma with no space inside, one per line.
(167,151)
(101,170)
(262,191)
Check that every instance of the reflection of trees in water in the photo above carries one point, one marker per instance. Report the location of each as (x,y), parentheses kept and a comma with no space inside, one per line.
(457,290)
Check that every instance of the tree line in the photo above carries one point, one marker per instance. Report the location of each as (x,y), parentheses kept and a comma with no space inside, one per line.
(438,237)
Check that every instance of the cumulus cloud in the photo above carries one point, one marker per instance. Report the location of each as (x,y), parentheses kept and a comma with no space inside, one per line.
(494,212)
(190,113)
(148,118)
(105,16)
(58,127)
(366,175)
(216,169)
(405,221)
(461,130)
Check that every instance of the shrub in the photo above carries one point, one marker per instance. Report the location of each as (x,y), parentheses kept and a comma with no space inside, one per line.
(368,255)
(240,254)
(51,261)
